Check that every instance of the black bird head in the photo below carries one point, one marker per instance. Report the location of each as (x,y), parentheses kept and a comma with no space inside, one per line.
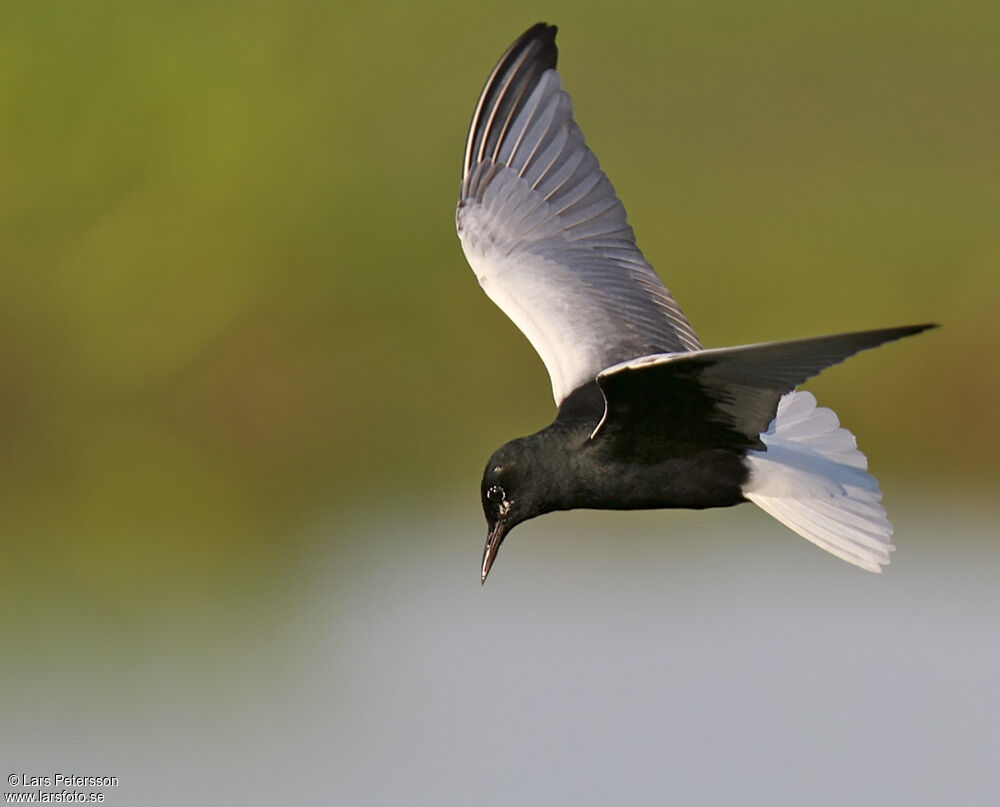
(501,506)
(511,494)
(545,471)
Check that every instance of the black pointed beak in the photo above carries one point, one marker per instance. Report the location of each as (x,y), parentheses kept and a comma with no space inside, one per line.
(493,541)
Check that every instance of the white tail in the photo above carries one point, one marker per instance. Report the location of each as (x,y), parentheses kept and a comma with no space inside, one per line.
(813,479)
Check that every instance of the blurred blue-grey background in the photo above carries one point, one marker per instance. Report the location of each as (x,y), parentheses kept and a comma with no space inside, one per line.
(248,385)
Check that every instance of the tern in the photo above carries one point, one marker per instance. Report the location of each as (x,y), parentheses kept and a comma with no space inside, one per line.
(647,417)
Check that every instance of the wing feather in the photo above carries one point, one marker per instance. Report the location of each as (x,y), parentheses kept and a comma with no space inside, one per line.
(727,397)
(547,236)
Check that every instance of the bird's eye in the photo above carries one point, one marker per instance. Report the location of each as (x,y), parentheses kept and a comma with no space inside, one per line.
(495,494)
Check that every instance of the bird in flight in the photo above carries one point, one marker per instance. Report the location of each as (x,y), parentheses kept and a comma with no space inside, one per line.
(647,417)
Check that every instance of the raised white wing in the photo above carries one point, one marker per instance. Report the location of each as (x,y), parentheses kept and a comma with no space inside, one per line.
(545,233)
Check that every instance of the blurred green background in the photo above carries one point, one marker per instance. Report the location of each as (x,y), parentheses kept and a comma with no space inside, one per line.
(233,304)
(231,291)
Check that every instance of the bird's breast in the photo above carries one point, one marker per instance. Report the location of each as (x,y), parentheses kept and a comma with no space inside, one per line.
(702,479)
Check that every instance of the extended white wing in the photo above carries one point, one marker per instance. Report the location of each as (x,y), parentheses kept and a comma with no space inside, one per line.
(545,233)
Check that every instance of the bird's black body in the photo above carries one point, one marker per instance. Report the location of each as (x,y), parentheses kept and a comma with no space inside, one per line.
(651,464)
(647,417)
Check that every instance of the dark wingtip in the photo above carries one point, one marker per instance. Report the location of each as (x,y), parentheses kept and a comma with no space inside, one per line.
(540,30)
(882,335)
(545,36)
(517,72)
(912,330)
(542,37)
